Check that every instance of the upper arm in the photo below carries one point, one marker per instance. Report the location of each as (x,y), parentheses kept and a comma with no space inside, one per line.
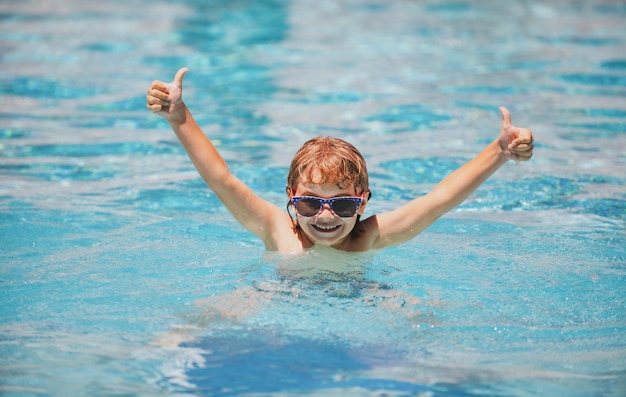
(261,217)
(405,222)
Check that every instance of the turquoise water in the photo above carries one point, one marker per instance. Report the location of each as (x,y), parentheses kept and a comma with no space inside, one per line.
(122,274)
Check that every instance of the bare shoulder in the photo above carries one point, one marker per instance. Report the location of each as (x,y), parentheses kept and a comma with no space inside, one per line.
(365,235)
(283,236)
(401,224)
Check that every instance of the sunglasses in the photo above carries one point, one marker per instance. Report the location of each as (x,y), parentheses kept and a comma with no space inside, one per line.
(344,207)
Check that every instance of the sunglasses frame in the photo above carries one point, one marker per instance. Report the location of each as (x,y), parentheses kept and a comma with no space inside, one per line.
(329,201)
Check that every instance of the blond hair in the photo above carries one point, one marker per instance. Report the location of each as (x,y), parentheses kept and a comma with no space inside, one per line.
(329,160)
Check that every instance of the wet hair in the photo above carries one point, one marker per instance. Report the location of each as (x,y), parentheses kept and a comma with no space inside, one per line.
(331,160)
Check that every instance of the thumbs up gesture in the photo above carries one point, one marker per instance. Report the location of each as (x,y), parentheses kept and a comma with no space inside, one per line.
(516,143)
(166,99)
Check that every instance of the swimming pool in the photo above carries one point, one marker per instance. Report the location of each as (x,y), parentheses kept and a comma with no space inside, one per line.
(122,274)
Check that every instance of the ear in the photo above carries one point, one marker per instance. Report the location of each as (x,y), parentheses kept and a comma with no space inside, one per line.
(289,192)
(365,196)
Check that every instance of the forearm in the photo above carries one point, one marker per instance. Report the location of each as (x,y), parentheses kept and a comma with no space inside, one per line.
(199,148)
(457,186)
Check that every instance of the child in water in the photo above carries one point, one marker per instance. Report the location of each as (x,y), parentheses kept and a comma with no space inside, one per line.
(328,186)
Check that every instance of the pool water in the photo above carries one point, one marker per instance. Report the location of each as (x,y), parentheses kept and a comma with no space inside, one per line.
(122,274)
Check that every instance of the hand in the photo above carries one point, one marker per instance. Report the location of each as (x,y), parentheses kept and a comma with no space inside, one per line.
(166,98)
(516,143)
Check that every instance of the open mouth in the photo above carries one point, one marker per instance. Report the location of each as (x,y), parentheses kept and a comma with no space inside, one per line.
(325,229)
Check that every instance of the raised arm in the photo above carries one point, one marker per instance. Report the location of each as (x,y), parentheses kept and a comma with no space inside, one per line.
(254,213)
(407,221)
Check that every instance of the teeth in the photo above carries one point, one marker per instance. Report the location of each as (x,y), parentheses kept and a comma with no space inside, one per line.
(326,227)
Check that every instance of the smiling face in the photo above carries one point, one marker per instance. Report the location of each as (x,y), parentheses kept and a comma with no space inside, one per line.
(327,167)
(326,228)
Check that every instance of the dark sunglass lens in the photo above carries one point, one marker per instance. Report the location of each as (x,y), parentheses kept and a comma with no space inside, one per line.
(308,207)
(345,208)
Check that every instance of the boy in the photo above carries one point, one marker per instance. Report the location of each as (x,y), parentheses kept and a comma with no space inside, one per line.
(328,185)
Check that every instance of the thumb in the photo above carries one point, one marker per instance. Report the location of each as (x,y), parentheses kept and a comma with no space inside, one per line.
(178,79)
(506,117)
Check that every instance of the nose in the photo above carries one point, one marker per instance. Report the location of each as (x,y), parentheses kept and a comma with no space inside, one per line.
(326,212)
